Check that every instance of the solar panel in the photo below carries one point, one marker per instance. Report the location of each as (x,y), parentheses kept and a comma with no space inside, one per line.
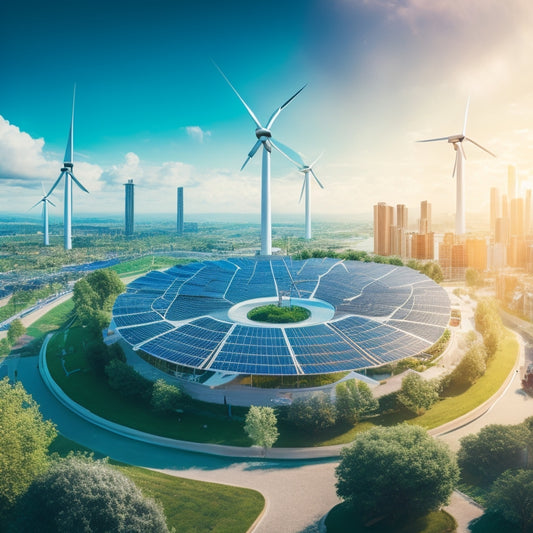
(382,313)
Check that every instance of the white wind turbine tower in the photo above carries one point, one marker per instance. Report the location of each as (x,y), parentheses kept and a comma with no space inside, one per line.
(45,201)
(264,137)
(458,171)
(66,171)
(306,187)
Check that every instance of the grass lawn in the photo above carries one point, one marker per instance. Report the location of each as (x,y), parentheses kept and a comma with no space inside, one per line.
(95,394)
(146,264)
(341,519)
(190,506)
(498,368)
(51,320)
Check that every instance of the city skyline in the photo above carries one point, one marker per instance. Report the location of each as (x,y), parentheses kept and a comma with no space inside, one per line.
(151,107)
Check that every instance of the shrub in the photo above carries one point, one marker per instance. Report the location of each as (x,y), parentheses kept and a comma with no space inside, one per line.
(418,394)
(165,396)
(314,414)
(127,381)
(79,494)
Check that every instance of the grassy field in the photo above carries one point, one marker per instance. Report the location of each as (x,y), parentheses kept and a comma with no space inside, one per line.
(340,519)
(203,422)
(200,422)
(498,368)
(146,264)
(190,506)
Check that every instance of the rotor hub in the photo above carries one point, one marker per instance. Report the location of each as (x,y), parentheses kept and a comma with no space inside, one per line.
(262,134)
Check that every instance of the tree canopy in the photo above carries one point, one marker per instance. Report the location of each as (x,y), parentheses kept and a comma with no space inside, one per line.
(354,399)
(16,330)
(261,426)
(79,494)
(511,495)
(24,441)
(417,393)
(492,450)
(396,471)
(94,296)
(314,413)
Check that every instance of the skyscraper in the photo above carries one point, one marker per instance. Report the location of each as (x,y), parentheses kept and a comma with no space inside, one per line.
(511,182)
(128,230)
(494,208)
(425,218)
(180,211)
(383,220)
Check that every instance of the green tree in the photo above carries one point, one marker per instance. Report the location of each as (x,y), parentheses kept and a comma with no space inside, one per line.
(473,277)
(261,426)
(24,441)
(15,331)
(511,495)
(494,449)
(127,381)
(354,399)
(165,396)
(79,494)
(417,393)
(395,471)
(471,367)
(314,413)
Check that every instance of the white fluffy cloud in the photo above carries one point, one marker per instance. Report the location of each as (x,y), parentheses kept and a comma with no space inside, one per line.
(22,161)
(196,133)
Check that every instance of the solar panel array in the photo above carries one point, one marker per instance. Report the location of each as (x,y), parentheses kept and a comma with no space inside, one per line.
(383,313)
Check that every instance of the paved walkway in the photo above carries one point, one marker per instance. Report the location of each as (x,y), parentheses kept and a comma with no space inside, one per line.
(298,493)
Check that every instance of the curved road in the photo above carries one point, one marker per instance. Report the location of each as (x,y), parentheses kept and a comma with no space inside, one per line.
(298,493)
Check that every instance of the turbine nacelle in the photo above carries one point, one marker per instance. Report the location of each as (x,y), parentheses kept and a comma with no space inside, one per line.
(456,139)
(262,134)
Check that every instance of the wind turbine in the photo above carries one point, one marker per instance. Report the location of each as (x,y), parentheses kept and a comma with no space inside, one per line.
(45,201)
(66,171)
(458,171)
(306,187)
(264,138)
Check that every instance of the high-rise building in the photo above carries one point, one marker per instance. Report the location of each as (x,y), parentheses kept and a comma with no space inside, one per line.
(527,212)
(180,211)
(128,226)
(505,206)
(401,216)
(517,217)
(425,217)
(511,182)
(494,208)
(501,232)
(383,220)
(476,253)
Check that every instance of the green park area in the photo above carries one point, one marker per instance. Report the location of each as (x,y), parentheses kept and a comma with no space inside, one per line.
(275,314)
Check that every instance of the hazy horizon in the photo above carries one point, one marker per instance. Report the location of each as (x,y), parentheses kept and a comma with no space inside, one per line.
(150,105)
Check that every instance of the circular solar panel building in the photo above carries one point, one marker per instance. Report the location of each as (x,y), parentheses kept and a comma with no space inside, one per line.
(362,315)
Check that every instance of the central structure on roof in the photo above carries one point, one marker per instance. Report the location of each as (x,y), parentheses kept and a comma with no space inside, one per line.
(362,315)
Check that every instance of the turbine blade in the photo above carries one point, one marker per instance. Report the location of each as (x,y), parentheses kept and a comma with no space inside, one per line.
(466,114)
(35,204)
(479,146)
(252,153)
(316,160)
(77,182)
(69,152)
(455,163)
(50,202)
(55,184)
(278,110)
(302,191)
(42,187)
(431,140)
(250,112)
(289,153)
(317,180)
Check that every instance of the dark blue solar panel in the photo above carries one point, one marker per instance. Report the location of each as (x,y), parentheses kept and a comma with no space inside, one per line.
(137,334)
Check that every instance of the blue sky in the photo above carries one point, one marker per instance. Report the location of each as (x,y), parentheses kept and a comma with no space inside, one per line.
(151,106)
